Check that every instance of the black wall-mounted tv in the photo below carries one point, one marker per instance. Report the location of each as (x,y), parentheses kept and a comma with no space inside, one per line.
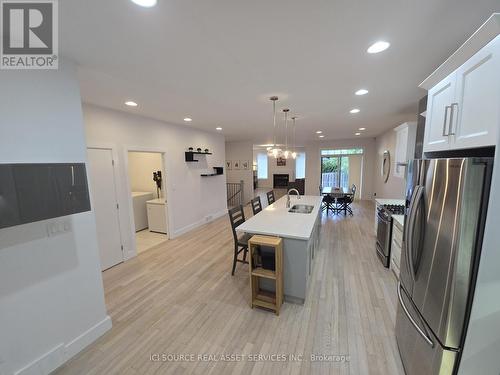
(34,192)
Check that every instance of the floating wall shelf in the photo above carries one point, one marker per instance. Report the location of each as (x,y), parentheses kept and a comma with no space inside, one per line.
(189,155)
(218,171)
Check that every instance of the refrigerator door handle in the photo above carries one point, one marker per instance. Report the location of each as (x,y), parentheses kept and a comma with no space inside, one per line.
(407,236)
(419,191)
(419,330)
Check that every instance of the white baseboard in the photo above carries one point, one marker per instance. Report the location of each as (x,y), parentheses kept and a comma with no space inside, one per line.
(60,354)
(197,224)
(87,337)
(44,364)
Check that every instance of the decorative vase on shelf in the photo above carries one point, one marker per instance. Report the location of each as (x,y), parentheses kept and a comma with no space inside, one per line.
(198,149)
(206,150)
(190,149)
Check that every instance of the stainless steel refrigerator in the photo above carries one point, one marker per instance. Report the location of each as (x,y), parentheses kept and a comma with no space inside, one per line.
(446,204)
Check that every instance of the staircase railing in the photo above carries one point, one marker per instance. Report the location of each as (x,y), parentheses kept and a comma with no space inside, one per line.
(234,193)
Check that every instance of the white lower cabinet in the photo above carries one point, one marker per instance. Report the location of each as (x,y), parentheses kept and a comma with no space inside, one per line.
(396,247)
(157,215)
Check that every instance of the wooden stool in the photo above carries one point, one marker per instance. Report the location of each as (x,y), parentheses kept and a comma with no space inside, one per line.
(261,298)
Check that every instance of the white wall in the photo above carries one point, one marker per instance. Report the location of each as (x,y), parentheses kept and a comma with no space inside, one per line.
(141,166)
(192,200)
(241,151)
(482,343)
(395,186)
(313,163)
(273,168)
(51,294)
(355,171)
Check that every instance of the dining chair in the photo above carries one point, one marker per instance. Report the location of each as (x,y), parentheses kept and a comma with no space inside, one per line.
(270,197)
(328,203)
(348,200)
(256,205)
(237,217)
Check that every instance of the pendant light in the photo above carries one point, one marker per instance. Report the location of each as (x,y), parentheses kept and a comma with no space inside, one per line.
(294,152)
(274,150)
(286,154)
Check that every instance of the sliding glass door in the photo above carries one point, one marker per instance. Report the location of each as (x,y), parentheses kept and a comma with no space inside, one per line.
(335,171)
(341,168)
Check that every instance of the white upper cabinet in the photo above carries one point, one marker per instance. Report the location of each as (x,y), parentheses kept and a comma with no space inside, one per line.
(477,107)
(463,110)
(439,101)
(406,135)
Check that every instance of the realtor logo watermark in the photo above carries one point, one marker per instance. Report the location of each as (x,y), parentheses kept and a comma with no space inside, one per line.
(29,37)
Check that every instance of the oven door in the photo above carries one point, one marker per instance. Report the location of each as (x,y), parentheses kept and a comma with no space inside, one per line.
(383,237)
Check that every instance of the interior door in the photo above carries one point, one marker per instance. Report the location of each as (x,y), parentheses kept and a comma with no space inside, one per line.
(439,102)
(475,113)
(105,206)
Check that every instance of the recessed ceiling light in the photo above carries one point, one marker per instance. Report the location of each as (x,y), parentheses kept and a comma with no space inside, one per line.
(145,3)
(362,129)
(361,92)
(218,128)
(319,132)
(354,110)
(322,136)
(188,119)
(378,47)
(131,103)
(357,133)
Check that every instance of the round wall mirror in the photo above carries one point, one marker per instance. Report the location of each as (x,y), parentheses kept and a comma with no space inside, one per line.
(386,166)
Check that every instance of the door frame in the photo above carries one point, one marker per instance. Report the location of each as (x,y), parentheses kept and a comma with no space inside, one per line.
(112,148)
(360,190)
(166,185)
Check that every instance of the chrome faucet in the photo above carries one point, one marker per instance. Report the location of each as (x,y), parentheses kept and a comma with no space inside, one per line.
(288,197)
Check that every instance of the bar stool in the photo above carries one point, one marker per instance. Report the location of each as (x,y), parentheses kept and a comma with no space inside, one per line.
(262,267)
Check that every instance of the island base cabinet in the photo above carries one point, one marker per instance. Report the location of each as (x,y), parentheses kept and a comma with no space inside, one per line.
(298,266)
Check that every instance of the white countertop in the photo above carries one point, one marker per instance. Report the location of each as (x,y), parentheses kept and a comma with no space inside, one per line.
(141,194)
(390,201)
(157,201)
(400,219)
(275,220)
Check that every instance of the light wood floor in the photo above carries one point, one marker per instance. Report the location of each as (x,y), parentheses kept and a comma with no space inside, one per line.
(180,298)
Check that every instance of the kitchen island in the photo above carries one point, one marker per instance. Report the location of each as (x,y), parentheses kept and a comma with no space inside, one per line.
(300,234)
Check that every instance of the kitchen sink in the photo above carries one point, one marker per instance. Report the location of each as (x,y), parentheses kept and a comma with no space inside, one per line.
(301,209)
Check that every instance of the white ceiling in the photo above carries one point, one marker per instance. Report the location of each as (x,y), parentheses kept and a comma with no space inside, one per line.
(218,61)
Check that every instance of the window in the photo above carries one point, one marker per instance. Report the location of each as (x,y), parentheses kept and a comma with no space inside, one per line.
(300,165)
(349,151)
(262,166)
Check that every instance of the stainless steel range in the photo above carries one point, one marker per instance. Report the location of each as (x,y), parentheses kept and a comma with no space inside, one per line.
(384,230)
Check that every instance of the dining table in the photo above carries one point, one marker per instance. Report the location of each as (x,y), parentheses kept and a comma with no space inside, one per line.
(336,193)
(332,190)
